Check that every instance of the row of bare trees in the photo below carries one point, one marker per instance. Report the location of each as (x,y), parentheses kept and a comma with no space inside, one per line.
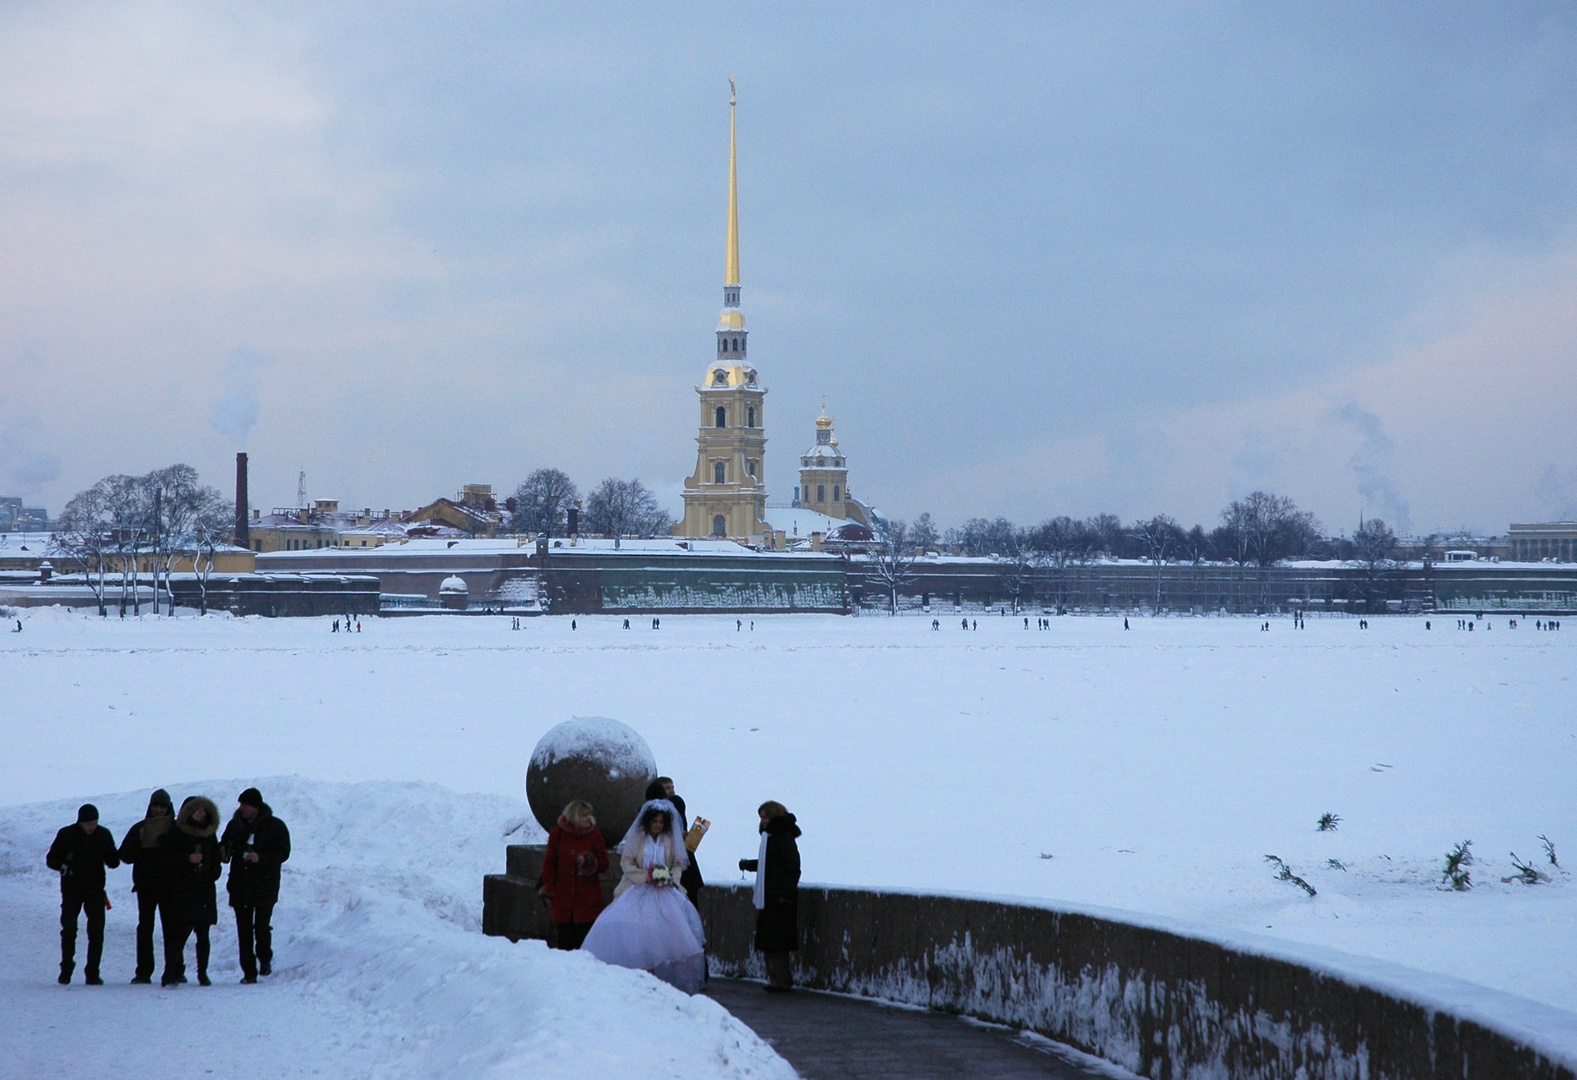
(1260,530)
(124,524)
(613,508)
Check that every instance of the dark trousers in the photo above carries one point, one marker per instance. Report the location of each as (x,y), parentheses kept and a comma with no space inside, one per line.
(256,936)
(93,905)
(570,935)
(147,906)
(175,936)
(780,970)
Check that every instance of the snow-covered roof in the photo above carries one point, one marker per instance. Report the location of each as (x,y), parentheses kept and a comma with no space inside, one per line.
(454,583)
(798,521)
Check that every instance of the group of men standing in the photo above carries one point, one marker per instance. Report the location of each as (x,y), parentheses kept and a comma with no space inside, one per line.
(176,861)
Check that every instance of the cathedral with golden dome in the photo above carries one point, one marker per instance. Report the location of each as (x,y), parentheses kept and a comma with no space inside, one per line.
(726,496)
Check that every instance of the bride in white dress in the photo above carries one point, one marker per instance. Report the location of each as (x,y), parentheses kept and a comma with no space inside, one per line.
(650,925)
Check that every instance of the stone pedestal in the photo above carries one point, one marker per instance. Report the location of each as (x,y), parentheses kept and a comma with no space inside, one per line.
(511,905)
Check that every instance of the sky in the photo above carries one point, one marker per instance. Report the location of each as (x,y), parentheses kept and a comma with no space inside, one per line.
(1041,259)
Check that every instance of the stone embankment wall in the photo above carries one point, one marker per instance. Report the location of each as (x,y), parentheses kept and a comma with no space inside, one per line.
(1157,1002)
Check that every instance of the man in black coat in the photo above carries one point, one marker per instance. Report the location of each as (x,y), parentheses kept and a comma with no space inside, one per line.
(81,852)
(150,874)
(777,893)
(256,843)
(690,878)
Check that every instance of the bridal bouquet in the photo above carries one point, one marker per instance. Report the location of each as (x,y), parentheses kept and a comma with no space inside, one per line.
(660,875)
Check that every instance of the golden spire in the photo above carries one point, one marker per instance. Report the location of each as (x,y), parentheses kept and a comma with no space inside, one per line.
(731,271)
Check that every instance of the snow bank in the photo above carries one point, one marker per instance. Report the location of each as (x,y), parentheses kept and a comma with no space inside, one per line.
(381,969)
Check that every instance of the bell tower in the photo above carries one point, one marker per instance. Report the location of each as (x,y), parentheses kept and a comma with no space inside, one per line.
(726,497)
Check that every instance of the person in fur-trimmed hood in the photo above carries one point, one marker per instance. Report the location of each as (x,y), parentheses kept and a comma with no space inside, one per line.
(256,843)
(572,870)
(195,863)
(142,849)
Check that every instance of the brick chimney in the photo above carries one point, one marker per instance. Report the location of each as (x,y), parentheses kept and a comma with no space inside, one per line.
(243,532)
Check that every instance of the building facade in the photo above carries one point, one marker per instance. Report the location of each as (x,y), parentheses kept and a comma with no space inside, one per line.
(726,496)
(1555,541)
(824,477)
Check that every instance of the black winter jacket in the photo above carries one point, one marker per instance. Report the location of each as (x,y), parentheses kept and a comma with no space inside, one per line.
(81,859)
(191,884)
(256,883)
(777,928)
(143,850)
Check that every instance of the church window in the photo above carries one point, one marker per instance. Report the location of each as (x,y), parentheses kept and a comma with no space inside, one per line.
(834,492)
(750,416)
(736,344)
(821,493)
(750,466)
(719,525)
(719,470)
(719,377)
(722,417)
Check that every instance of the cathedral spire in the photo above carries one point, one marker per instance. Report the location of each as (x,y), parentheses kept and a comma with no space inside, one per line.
(731,269)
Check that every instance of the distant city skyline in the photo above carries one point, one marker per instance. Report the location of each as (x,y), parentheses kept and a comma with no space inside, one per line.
(1040,260)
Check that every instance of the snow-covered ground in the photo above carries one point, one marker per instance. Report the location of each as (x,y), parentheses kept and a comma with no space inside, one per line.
(1151,770)
(381,969)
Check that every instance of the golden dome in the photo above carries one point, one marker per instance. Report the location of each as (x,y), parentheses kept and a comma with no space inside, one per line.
(731,319)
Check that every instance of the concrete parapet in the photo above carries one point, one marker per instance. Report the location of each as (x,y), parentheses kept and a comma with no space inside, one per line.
(1154,1000)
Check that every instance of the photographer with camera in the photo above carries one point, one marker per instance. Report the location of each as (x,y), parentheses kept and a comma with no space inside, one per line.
(143,850)
(256,844)
(81,852)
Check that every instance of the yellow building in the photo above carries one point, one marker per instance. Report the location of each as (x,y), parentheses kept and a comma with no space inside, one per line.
(726,496)
(824,477)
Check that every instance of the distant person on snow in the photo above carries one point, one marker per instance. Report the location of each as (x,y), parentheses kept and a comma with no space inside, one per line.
(572,872)
(195,865)
(143,850)
(776,897)
(81,852)
(256,843)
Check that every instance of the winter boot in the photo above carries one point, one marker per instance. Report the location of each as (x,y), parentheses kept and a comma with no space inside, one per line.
(65,975)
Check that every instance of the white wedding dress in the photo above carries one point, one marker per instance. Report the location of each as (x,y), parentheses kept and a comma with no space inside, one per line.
(653,928)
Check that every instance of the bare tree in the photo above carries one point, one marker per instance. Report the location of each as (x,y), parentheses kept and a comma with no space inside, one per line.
(981,536)
(890,560)
(177,501)
(1022,558)
(1060,543)
(1160,538)
(1196,545)
(1105,535)
(1373,546)
(542,500)
(625,508)
(211,523)
(85,538)
(923,534)
(1267,528)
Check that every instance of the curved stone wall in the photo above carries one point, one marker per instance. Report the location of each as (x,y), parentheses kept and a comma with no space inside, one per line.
(1153,1000)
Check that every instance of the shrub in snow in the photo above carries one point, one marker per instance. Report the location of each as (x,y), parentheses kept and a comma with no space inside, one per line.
(1525,872)
(1285,874)
(1336,864)
(1549,850)
(1328,822)
(1458,859)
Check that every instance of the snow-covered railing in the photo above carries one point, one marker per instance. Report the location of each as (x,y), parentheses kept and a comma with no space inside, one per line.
(1159,998)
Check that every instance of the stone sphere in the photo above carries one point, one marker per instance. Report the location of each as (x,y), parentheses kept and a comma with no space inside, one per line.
(603,761)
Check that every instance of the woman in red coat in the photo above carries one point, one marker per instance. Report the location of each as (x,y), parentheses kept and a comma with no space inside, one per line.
(572,873)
